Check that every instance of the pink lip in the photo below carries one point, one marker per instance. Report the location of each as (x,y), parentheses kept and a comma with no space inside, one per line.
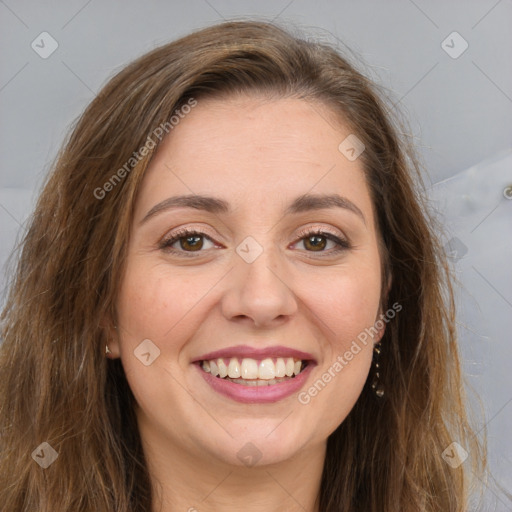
(257,394)
(255,353)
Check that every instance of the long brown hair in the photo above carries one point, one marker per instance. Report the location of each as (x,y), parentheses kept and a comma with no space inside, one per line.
(56,386)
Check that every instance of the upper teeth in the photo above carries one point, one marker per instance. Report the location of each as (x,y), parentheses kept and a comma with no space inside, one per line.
(252,368)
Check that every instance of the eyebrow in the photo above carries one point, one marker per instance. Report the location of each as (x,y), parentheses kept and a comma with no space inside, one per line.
(303,203)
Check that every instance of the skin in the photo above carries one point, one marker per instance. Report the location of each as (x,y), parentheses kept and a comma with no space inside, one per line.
(259,155)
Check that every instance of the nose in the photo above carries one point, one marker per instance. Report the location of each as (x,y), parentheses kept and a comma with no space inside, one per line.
(259,293)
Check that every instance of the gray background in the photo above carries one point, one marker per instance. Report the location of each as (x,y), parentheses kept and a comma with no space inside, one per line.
(459,111)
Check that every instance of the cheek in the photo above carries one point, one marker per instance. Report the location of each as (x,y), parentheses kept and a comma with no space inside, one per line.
(347,309)
(347,353)
(155,303)
(348,303)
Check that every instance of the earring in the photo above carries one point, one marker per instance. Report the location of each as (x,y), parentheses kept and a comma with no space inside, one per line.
(377,385)
(107,350)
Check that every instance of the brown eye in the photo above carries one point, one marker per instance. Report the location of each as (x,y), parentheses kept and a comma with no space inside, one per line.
(315,242)
(193,243)
(318,240)
(185,242)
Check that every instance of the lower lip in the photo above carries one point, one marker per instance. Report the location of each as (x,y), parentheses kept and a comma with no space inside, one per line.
(257,394)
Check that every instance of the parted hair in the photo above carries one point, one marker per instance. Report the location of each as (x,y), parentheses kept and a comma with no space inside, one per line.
(56,385)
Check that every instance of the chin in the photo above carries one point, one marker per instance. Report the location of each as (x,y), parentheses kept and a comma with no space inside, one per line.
(254,444)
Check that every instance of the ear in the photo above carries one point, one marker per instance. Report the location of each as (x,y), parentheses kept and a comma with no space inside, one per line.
(389,283)
(111,337)
(380,323)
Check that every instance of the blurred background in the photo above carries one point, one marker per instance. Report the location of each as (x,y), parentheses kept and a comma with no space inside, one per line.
(446,66)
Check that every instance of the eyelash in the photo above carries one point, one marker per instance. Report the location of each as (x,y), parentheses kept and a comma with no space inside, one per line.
(166,244)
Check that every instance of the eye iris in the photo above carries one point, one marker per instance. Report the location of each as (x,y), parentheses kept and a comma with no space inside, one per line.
(318,243)
(189,240)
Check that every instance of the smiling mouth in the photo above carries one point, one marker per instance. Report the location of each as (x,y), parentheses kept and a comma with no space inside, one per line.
(254,372)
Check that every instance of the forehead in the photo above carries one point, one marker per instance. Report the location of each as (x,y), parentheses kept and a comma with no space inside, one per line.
(256,150)
(272,128)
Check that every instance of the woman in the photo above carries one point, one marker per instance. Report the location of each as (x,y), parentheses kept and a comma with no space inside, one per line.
(230,297)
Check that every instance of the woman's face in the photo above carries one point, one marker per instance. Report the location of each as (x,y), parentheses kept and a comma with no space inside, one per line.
(263,284)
